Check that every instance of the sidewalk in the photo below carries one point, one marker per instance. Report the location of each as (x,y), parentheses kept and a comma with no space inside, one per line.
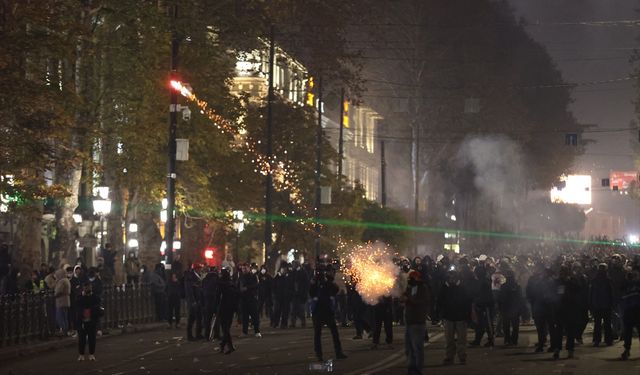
(54,343)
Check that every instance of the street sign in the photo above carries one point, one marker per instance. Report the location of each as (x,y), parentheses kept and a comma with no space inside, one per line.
(182,149)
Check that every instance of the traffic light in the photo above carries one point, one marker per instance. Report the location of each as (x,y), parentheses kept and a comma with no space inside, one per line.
(208,253)
(311,101)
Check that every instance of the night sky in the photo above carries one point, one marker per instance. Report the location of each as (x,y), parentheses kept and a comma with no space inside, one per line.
(586,53)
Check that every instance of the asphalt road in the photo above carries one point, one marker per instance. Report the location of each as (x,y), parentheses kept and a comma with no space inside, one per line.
(291,351)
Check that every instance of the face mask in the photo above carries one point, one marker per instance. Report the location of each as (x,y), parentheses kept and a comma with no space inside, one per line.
(263,271)
(92,279)
(254,271)
(69,275)
(297,268)
(18,275)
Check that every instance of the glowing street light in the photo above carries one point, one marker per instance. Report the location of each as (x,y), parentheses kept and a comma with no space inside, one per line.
(102,207)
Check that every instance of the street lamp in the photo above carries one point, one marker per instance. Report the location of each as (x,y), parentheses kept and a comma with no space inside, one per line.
(238,225)
(102,207)
(77,218)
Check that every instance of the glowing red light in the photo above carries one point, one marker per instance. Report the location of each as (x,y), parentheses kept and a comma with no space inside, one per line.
(177,85)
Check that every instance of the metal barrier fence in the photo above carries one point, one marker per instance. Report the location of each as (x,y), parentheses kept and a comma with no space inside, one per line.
(29,317)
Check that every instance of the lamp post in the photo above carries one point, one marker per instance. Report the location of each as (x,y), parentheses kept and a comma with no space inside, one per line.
(238,225)
(102,207)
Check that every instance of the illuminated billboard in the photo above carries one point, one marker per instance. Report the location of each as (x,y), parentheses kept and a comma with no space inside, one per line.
(621,180)
(576,190)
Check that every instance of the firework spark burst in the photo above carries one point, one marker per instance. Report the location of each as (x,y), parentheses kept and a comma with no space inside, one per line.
(372,269)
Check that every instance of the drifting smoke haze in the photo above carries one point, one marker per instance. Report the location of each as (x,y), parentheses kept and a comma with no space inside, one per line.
(499,173)
(498,166)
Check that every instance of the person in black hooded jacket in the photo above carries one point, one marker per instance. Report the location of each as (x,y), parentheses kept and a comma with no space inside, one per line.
(454,306)
(323,291)
(540,297)
(88,312)
(209,290)
(567,308)
(174,293)
(630,303)
(510,302)
(483,303)
(227,297)
(601,305)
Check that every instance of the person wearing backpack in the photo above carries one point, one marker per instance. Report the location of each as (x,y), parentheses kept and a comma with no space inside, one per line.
(88,312)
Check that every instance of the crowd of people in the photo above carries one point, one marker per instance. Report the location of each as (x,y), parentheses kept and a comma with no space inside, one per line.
(559,291)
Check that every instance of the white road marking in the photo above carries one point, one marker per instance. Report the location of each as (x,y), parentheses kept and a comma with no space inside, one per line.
(390,360)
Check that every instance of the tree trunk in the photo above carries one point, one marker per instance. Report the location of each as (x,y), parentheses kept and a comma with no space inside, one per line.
(65,226)
(29,237)
(69,175)
(114,227)
(149,239)
(193,241)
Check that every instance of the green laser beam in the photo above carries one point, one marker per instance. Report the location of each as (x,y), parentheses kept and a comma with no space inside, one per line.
(389,226)
(424,229)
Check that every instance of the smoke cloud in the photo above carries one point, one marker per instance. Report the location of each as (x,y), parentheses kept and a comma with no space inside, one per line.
(498,167)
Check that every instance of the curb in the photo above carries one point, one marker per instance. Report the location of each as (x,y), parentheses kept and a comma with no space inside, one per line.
(23,350)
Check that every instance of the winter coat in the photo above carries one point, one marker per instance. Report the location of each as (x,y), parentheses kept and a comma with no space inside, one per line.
(482,296)
(156,283)
(87,308)
(535,291)
(601,293)
(62,290)
(416,299)
(265,286)
(9,283)
(50,280)
(510,299)
(454,302)
(174,291)
(283,287)
(249,286)
(323,295)
(569,298)
(300,285)
(209,289)
(617,276)
(630,295)
(132,267)
(192,288)
(227,298)
(97,287)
